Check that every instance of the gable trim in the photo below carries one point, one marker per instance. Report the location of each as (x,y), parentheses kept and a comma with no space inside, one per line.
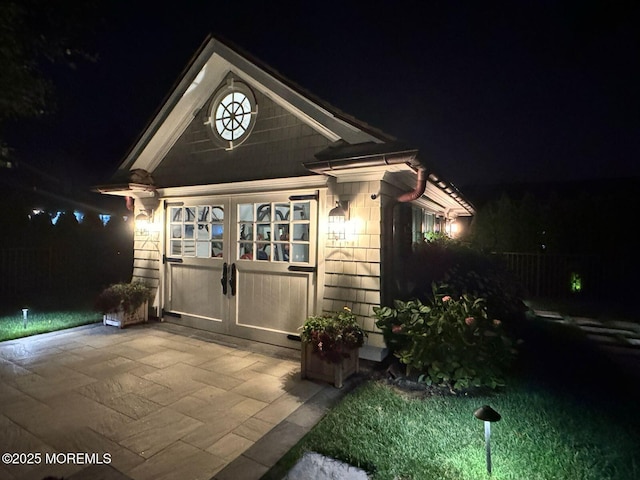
(253,186)
(202,77)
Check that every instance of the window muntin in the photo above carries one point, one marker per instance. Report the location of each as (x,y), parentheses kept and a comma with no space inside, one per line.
(233,116)
(274,232)
(423,223)
(196,231)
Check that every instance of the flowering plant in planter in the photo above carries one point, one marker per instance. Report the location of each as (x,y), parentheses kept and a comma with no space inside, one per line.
(333,336)
(123,297)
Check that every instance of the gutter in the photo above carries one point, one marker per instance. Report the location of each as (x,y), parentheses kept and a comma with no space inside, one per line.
(408,157)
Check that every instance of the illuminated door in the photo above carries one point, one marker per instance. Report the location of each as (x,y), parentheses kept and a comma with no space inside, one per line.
(244,266)
(196,246)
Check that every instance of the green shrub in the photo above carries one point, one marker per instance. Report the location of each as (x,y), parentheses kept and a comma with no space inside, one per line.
(449,341)
(465,271)
(333,335)
(127,297)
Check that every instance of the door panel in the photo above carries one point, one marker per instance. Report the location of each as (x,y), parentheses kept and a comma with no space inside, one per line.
(197,240)
(263,246)
(196,290)
(274,302)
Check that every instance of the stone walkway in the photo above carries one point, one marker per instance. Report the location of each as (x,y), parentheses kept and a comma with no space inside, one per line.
(619,340)
(155,401)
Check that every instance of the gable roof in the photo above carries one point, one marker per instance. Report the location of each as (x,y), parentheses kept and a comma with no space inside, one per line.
(203,75)
(348,141)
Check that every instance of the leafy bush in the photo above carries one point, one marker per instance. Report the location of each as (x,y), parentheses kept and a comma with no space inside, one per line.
(500,290)
(127,297)
(465,271)
(448,341)
(333,335)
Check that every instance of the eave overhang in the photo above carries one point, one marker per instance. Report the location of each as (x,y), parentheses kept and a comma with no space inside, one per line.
(133,190)
(354,162)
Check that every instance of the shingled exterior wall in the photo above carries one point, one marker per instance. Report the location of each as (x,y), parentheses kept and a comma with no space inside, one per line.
(147,259)
(352,266)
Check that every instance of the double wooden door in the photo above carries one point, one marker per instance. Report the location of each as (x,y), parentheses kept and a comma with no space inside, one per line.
(242,265)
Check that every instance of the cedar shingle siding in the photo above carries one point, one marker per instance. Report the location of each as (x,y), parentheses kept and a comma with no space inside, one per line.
(277,148)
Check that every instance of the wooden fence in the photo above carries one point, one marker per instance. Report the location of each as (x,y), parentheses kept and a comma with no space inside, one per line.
(541,275)
(558,275)
(35,272)
(25,269)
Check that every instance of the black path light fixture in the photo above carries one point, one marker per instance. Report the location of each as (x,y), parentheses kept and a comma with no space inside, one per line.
(488,415)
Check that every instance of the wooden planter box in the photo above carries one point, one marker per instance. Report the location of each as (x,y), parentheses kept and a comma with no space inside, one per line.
(315,368)
(121,319)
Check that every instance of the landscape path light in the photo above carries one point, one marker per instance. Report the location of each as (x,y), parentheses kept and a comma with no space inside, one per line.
(487,415)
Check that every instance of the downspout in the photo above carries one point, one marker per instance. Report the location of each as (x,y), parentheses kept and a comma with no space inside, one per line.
(387,251)
(389,235)
(421,185)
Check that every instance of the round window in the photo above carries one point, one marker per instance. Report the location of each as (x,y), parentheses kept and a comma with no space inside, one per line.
(232,114)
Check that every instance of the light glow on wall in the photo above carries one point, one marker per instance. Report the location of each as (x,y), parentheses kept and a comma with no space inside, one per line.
(337,224)
(452,228)
(196,81)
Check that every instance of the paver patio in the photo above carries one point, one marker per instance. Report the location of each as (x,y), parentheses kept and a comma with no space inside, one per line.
(155,401)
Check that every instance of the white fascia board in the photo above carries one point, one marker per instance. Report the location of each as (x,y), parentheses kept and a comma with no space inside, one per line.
(254,186)
(181,115)
(452,207)
(433,198)
(214,62)
(430,205)
(434,192)
(366,174)
(319,118)
(134,190)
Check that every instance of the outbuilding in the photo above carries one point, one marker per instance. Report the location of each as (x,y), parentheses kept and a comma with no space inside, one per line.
(258,204)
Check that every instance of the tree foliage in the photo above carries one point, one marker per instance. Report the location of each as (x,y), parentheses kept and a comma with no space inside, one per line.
(566,219)
(34,34)
(465,271)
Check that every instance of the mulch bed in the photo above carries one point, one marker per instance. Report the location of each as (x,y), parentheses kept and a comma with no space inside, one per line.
(392,373)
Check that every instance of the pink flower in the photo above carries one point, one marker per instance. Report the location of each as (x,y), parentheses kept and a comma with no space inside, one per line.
(319,345)
(446,298)
(470,321)
(497,323)
(396,328)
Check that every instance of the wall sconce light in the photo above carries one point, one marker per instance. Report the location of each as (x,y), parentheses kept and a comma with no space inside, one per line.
(338,221)
(487,415)
(142,223)
(453,228)
(437,225)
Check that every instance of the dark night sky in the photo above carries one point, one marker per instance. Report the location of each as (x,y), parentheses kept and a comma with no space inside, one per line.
(489,91)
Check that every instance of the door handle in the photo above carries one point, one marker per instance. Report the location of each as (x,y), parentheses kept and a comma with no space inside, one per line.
(223,280)
(232,279)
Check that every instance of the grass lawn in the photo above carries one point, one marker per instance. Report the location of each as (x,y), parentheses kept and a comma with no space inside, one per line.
(542,436)
(13,326)
(568,413)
